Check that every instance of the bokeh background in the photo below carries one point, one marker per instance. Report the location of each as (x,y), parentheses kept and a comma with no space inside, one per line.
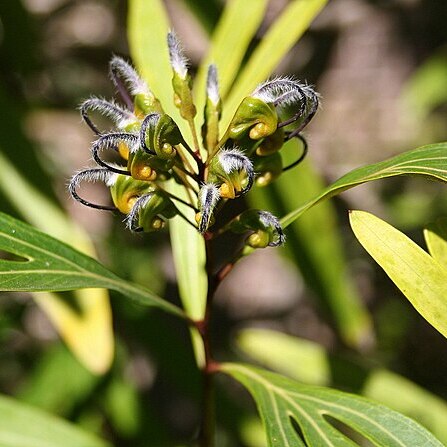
(381,68)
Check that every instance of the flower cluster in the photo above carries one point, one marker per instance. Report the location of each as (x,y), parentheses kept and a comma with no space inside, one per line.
(153,151)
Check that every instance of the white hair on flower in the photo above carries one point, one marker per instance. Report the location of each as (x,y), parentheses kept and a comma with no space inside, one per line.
(208,197)
(131,219)
(212,84)
(232,159)
(179,61)
(93,175)
(283,91)
(120,116)
(272,222)
(121,69)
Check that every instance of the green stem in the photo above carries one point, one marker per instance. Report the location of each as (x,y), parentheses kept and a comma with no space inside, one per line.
(206,438)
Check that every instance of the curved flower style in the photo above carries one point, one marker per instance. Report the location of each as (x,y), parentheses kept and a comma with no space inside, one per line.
(153,150)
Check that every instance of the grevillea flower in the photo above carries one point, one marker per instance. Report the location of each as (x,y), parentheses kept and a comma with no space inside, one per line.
(224,167)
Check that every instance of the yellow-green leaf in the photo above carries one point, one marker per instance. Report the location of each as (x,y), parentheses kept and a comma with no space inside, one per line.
(88,333)
(229,42)
(148,26)
(22,425)
(436,239)
(298,358)
(420,277)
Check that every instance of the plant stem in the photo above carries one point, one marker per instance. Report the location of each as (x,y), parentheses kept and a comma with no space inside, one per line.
(208,404)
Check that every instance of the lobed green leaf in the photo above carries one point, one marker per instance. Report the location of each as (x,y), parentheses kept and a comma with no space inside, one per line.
(321,414)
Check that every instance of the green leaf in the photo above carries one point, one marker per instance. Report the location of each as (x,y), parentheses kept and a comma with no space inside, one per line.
(86,327)
(436,239)
(404,396)
(419,277)
(321,413)
(206,11)
(24,426)
(309,363)
(229,42)
(429,161)
(311,241)
(41,263)
(148,27)
(279,39)
(58,383)
(301,359)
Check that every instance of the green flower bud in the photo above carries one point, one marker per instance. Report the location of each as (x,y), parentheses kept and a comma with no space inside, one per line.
(266,228)
(159,134)
(212,111)
(150,211)
(233,171)
(125,191)
(254,117)
(181,80)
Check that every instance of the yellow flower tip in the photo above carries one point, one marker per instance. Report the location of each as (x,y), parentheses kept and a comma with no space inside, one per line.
(123,150)
(126,204)
(227,191)
(145,173)
(260,239)
(157,223)
(259,131)
(168,150)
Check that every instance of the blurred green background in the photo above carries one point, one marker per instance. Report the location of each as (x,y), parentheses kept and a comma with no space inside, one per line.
(381,68)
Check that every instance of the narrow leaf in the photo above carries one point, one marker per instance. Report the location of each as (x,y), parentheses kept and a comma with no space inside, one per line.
(229,42)
(420,277)
(318,411)
(148,27)
(42,263)
(429,161)
(301,359)
(436,239)
(280,38)
(24,426)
